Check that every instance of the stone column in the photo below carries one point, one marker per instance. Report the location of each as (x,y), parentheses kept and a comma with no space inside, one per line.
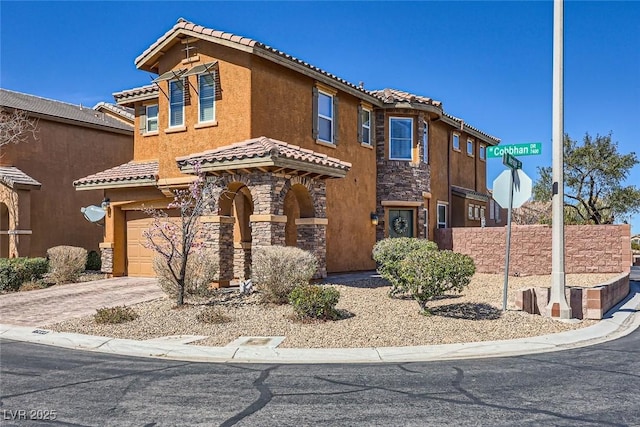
(242,260)
(267,230)
(312,237)
(106,257)
(218,236)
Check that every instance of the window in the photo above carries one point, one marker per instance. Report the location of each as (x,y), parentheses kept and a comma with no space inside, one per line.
(469,147)
(442,215)
(152,118)
(400,138)
(206,97)
(483,152)
(325,117)
(176,103)
(365,119)
(456,142)
(470,214)
(425,142)
(476,210)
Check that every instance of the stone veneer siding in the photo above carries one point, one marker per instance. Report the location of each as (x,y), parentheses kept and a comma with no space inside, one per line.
(399,180)
(106,258)
(313,238)
(588,248)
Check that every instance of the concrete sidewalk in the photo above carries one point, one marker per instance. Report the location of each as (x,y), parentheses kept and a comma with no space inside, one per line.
(620,321)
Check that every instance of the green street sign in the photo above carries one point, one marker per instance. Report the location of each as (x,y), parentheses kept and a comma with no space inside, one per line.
(511,161)
(529,149)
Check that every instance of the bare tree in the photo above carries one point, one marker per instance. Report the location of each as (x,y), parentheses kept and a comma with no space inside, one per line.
(16,126)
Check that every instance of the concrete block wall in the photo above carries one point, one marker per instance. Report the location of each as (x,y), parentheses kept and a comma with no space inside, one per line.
(588,248)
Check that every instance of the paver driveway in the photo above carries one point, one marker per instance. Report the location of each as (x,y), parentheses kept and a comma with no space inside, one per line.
(61,302)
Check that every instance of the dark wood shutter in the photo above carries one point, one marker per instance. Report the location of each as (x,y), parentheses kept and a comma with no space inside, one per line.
(142,122)
(335,120)
(314,114)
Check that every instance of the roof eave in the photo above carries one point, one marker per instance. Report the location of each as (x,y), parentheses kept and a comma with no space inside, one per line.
(480,135)
(116,184)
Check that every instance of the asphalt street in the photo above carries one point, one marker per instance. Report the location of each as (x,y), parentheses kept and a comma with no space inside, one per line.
(598,385)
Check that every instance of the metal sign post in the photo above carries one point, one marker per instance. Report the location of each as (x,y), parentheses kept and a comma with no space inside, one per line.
(514,164)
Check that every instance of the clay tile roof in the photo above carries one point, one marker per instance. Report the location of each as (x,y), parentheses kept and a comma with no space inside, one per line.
(264,148)
(184,25)
(138,93)
(142,172)
(391,96)
(125,112)
(49,108)
(466,192)
(14,177)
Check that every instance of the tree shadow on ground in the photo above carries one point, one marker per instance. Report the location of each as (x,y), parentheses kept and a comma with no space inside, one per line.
(370,283)
(468,311)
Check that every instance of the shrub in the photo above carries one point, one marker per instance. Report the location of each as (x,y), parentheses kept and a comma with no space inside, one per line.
(388,254)
(15,271)
(276,270)
(314,301)
(202,269)
(94,262)
(213,315)
(430,273)
(113,315)
(66,263)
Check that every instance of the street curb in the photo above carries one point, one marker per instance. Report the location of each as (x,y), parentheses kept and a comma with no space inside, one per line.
(621,320)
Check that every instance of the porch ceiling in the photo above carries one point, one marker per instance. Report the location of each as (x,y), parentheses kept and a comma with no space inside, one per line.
(265,155)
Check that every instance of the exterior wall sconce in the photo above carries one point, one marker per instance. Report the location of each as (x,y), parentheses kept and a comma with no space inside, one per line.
(105,203)
(374,218)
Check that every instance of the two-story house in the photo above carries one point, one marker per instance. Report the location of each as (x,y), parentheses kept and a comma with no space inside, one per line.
(39,207)
(312,160)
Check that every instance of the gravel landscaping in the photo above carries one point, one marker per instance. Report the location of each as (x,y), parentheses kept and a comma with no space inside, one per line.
(370,317)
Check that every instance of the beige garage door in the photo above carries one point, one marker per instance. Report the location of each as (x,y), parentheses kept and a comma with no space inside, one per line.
(139,258)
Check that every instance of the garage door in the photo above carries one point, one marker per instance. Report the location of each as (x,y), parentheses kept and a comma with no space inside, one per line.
(139,258)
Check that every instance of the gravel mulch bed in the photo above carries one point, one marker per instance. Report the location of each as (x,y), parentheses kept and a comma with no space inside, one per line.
(371,318)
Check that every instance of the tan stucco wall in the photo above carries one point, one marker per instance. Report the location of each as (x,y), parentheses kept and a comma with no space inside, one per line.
(62,154)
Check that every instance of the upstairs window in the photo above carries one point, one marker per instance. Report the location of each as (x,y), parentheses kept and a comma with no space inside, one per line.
(151,118)
(483,152)
(365,120)
(400,138)
(325,117)
(176,103)
(206,97)
(469,147)
(425,142)
(456,142)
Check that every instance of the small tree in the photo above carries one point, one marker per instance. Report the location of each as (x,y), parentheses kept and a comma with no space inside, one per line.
(175,241)
(430,273)
(16,126)
(593,177)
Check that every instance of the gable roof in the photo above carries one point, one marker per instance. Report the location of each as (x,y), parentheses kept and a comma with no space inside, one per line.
(126,175)
(61,111)
(184,29)
(125,113)
(15,178)
(265,154)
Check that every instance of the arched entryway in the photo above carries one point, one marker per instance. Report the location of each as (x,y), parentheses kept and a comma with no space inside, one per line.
(297,204)
(237,202)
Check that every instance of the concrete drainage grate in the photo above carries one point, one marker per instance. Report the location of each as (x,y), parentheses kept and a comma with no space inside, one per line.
(270,342)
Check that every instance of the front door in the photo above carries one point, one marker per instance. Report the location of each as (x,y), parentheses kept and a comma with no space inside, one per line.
(401,223)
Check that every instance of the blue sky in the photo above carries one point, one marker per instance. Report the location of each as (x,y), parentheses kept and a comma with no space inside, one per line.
(490,63)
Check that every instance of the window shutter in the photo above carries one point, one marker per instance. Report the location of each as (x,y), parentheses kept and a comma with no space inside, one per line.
(360,139)
(335,120)
(142,114)
(314,114)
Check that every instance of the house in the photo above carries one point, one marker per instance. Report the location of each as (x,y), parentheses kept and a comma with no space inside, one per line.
(39,207)
(313,160)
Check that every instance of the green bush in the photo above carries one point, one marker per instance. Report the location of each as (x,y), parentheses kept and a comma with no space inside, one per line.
(66,263)
(314,301)
(202,269)
(94,262)
(388,254)
(113,315)
(430,273)
(15,271)
(276,270)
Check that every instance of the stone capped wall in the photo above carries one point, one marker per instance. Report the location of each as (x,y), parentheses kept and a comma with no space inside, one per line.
(588,248)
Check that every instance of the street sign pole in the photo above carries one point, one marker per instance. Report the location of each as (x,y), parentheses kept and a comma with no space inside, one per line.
(506,258)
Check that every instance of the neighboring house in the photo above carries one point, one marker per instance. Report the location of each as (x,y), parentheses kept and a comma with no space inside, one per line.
(39,207)
(314,161)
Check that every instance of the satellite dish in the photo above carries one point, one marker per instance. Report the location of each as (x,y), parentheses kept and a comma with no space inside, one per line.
(93,213)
